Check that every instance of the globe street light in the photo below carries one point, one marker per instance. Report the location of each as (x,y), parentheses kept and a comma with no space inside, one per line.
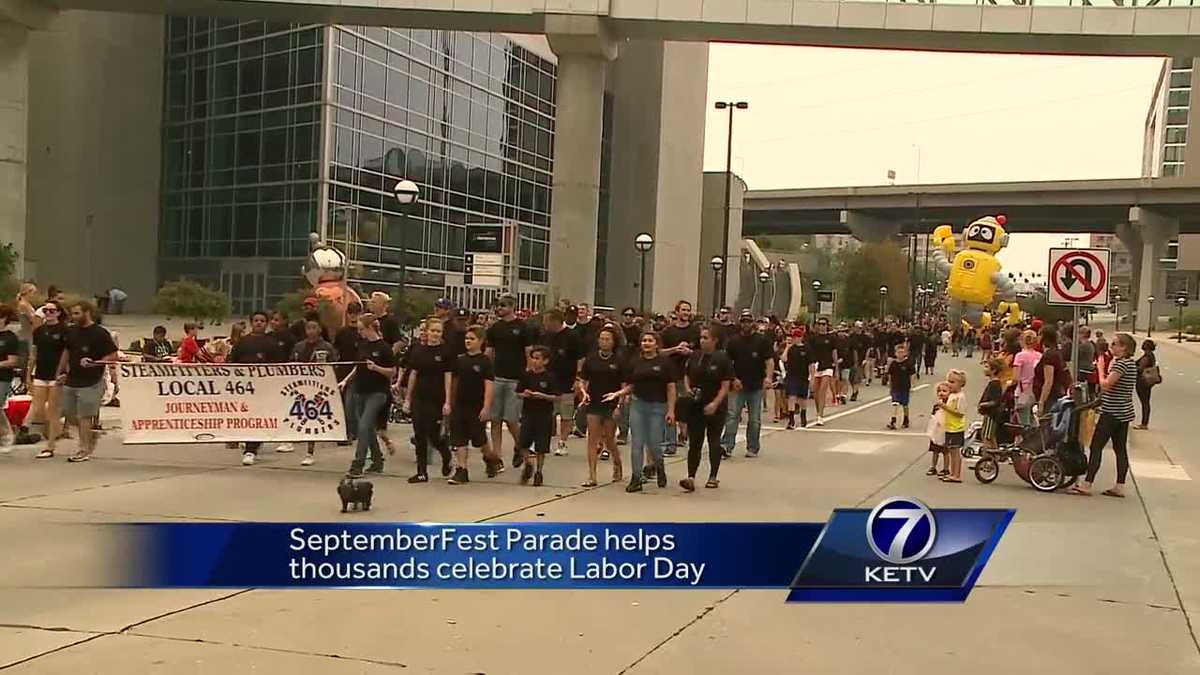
(731,106)
(643,243)
(1116,298)
(1150,317)
(816,286)
(763,277)
(407,195)
(718,264)
(883,291)
(1181,301)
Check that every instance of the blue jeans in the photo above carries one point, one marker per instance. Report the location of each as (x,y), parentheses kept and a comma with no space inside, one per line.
(350,404)
(647,428)
(753,402)
(370,406)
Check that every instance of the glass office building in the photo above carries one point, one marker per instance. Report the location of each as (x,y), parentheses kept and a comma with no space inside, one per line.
(273,131)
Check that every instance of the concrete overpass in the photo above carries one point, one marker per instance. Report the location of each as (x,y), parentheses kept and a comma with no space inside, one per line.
(586,34)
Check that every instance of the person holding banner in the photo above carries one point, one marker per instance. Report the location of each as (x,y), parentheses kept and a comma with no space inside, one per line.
(313,349)
(256,347)
(427,397)
(81,369)
(372,378)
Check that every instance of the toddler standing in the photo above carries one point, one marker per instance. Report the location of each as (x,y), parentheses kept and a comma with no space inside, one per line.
(937,433)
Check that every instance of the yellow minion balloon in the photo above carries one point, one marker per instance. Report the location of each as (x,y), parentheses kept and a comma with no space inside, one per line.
(974,272)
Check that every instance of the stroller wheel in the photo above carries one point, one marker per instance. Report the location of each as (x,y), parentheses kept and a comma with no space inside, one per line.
(1046,474)
(987,469)
(1067,481)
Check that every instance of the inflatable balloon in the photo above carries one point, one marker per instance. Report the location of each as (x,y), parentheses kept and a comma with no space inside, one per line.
(974,278)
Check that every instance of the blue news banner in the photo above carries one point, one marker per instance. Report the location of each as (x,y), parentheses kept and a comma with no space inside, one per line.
(901,550)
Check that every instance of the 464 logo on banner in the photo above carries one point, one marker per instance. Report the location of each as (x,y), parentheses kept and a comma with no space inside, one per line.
(311,410)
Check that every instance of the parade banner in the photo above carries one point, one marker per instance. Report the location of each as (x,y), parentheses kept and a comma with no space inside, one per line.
(215,403)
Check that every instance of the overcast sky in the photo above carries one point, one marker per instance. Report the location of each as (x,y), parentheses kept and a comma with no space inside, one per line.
(832,117)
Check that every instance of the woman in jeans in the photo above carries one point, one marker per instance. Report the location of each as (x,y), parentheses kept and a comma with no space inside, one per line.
(651,378)
(1148,360)
(372,379)
(1116,412)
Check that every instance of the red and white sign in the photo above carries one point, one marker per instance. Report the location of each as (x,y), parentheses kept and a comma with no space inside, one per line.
(1079,276)
(226,402)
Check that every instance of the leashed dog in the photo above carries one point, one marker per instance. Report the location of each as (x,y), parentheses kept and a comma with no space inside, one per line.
(355,493)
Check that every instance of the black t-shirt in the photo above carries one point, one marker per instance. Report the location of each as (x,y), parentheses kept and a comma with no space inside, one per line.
(542,382)
(900,375)
(820,346)
(993,393)
(508,340)
(603,376)
(314,352)
(706,373)
(287,344)
(91,342)
(346,344)
(677,335)
(258,348)
(389,328)
(796,360)
(156,351)
(750,354)
(368,381)
(9,346)
(470,372)
(842,344)
(455,340)
(916,343)
(632,335)
(565,351)
(859,344)
(1054,359)
(431,365)
(649,377)
(50,341)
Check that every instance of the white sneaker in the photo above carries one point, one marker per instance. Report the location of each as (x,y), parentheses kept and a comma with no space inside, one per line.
(561,450)
(820,422)
(247,459)
(285,447)
(307,461)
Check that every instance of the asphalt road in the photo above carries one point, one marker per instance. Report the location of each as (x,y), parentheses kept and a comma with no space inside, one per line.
(1077,585)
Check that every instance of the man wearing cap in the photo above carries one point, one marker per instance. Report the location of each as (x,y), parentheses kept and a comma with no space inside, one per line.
(727,326)
(753,357)
(508,344)
(454,330)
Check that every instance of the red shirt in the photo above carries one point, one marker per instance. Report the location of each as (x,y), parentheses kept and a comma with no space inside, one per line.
(189,349)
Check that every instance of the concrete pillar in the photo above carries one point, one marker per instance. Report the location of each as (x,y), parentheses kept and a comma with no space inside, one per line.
(1154,229)
(14,129)
(868,228)
(584,50)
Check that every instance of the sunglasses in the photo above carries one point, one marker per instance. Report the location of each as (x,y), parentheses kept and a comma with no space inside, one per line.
(629,315)
(49,311)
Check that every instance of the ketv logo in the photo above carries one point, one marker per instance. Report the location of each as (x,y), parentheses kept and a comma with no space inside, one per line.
(901,531)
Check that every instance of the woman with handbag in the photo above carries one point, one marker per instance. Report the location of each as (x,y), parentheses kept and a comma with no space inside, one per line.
(1148,375)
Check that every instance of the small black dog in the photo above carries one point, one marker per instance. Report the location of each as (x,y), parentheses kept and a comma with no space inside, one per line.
(356,493)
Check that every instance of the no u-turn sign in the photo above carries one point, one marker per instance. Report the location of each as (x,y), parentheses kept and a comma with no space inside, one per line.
(1078,276)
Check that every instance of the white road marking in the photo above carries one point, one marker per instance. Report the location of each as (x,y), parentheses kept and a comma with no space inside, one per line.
(870,432)
(1163,470)
(857,447)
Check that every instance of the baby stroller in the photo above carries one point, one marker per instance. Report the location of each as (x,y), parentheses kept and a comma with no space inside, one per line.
(1007,434)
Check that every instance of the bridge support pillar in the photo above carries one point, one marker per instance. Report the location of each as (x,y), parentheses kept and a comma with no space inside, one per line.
(868,228)
(14,134)
(584,51)
(1152,230)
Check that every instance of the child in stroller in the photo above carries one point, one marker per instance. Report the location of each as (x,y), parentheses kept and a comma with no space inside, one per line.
(1048,456)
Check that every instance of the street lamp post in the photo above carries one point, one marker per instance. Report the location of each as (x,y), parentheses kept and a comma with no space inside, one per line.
(407,194)
(763,277)
(718,264)
(816,285)
(883,291)
(1181,301)
(731,106)
(1150,316)
(643,243)
(1116,296)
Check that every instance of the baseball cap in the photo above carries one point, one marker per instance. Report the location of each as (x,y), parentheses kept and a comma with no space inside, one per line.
(572,309)
(461,313)
(746,315)
(443,303)
(796,332)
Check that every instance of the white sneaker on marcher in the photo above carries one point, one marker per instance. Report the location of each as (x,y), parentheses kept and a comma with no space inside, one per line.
(307,461)
(285,447)
(561,450)
(247,459)
(820,422)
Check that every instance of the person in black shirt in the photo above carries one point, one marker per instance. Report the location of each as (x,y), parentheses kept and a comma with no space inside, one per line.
(314,348)
(88,347)
(901,372)
(709,376)
(630,329)
(566,349)
(471,404)
(651,378)
(10,358)
(49,343)
(680,339)
(797,364)
(601,375)
(825,355)
(508,344)
(372,380)
(158,348)
(539,391)
(256,347)
(389,326)
(428,397)
(345,342)
(753,357)
(283,335)
(858,344)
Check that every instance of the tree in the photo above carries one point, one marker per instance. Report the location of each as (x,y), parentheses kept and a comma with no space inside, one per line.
(186,298)
(1037,307)
(863,271)
(414,306)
